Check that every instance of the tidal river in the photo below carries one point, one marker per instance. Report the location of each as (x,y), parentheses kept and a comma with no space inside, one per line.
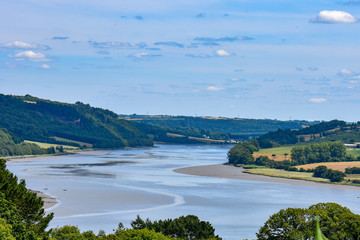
(97,190)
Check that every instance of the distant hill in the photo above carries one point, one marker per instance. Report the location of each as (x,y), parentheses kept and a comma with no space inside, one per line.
(35,119)
(219,128)
(334,130)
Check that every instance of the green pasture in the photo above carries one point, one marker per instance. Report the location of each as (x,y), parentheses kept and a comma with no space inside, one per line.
(286,174)
(277,150)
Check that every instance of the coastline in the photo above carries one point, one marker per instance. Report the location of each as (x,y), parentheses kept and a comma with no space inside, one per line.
(231,172)
(49,201)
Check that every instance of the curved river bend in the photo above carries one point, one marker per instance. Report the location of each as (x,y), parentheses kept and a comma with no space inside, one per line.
(97,190)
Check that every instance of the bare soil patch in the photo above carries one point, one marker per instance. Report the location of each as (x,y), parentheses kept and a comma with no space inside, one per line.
(332,165)
(278,157)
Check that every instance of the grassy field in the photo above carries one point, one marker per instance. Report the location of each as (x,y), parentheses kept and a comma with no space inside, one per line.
(353,151)
(47,145)
(277,150)
(73,141)
(286,174)
(333,165)
(67,148)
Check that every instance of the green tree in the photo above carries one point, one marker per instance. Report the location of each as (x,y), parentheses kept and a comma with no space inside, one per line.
(320,171)
(67,233)
(29,207)
(138,234)
(6,230)
(184,227)
(335,175)
(336,222)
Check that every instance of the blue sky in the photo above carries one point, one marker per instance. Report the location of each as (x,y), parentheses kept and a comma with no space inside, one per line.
(284,59)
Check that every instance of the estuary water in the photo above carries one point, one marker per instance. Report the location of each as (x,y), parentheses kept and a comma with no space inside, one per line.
(97,190)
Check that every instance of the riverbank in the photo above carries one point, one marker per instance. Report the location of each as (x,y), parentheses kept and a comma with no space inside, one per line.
(231,172)
(49,201)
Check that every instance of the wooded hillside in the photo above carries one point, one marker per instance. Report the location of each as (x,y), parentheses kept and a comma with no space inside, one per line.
(42,120)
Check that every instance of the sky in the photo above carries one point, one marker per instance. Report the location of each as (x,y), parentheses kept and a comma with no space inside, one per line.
(273,59)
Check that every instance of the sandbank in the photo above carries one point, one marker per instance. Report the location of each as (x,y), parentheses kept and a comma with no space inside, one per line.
(49,201)
(51,156)
(231,172)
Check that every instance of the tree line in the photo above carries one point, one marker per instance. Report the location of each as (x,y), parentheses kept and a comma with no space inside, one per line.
(10,145)
(334,130)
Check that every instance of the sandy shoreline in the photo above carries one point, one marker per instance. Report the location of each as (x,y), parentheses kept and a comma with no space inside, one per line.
(49,201)
(231,172)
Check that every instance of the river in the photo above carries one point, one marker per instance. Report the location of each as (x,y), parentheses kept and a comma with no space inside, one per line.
(97,190)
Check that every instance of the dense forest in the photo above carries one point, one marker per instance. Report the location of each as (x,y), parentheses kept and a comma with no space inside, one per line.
(334,130)
(35,119)
(220,128)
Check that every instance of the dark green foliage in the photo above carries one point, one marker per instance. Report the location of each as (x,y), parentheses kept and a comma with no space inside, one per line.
(21,208)
(67,233)
(336,222)
(352,170)
(184,227)
(267,162)
(319,152)
(280,137)
(322,127)
(320,171)
(160,134)
(38,120)
(241,153)
(332,175)
(11,145)
(60,148)
(334,130)
(139,234)
(220,128)
(335,175)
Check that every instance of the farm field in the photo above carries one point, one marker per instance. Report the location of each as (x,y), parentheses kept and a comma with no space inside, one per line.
(353,151)
(332,165)
(286,174)
(73,141)
(278,151)
(67,148)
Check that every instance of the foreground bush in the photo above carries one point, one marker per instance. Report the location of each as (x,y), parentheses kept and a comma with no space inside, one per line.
(336,223)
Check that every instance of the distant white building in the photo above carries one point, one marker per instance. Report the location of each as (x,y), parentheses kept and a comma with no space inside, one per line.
(353,145)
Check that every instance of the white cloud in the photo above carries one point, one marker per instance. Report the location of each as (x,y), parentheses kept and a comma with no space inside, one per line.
(23,45)
(142,55)
(344,72)
(333,17)
(45,66)
(317,100)
(31,56)
(17,44)
(347,74)
(222,53)
(213,88)
(117,45)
